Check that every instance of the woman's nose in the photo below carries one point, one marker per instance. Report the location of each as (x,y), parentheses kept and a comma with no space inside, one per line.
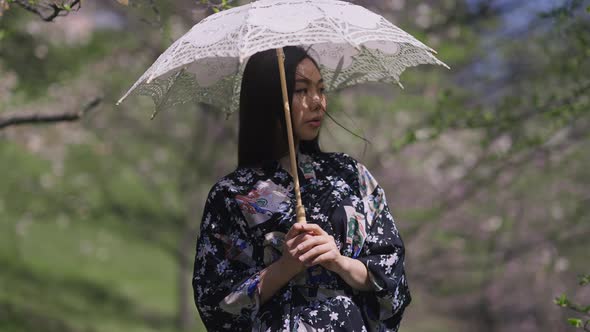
(316,102)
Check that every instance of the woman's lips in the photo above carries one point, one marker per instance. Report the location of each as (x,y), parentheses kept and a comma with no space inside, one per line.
(315,123)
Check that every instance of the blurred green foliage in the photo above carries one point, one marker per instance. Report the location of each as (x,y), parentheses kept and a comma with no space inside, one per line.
(583,310)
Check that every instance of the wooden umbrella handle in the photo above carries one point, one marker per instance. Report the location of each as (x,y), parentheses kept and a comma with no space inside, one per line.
(299,206)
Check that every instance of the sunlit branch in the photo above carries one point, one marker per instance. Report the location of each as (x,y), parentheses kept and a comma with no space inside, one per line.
(21,118)
(55,9)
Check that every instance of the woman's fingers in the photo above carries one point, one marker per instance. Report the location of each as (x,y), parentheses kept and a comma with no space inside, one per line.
(299,228)
(327,257)
(314,252)
(295,230)
(313,241)
(313,228)
(303,237)
(309,244)
(292,244)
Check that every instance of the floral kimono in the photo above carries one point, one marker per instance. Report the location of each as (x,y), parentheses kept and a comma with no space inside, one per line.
(245,219)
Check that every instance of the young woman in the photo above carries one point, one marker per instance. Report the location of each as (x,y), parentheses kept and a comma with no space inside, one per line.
(258,270)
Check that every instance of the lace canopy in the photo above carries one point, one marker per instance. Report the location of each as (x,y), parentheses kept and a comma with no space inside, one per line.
(350,43)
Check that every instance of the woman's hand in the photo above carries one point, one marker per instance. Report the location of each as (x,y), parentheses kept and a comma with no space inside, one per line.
(290,258)
(278,274)
(308,245)
(318,247)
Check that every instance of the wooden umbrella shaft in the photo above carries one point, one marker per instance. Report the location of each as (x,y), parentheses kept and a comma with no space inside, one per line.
(299,206)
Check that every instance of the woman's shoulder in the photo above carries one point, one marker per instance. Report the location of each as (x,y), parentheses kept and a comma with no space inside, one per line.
(339,158)
(238,180)
(344,162)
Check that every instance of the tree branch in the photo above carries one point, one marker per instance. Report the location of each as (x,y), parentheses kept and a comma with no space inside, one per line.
(56,10)
(20,118)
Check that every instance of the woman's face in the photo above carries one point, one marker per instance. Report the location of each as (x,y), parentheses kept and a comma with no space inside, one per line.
(309,102)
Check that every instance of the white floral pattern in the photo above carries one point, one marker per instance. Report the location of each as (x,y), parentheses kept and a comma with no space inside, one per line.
(246,216)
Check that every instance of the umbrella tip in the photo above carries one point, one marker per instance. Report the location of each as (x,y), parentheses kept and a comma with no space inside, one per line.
(438,62)
(155,112)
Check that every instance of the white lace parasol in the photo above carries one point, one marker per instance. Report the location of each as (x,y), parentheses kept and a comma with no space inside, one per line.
(350,43)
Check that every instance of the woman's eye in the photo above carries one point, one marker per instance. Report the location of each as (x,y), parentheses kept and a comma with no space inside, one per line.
(301,90)
(322,90)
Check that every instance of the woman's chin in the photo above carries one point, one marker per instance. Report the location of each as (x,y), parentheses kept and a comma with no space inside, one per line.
(309,137)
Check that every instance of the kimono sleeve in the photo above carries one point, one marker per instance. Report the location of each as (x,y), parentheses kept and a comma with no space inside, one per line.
(225,278)
(383,255)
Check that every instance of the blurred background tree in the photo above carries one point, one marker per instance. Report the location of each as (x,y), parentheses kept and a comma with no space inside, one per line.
(486,166)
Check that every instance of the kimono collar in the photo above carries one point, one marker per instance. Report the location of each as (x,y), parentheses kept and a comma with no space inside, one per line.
(304,163)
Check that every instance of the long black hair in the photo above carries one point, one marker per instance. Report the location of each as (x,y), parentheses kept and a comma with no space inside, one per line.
(262,132)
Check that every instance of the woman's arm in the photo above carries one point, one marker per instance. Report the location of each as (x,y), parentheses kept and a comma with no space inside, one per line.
(354,273)
(278,274)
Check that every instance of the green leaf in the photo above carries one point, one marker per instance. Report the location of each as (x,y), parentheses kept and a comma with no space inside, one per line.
(562,301)
(575,322)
